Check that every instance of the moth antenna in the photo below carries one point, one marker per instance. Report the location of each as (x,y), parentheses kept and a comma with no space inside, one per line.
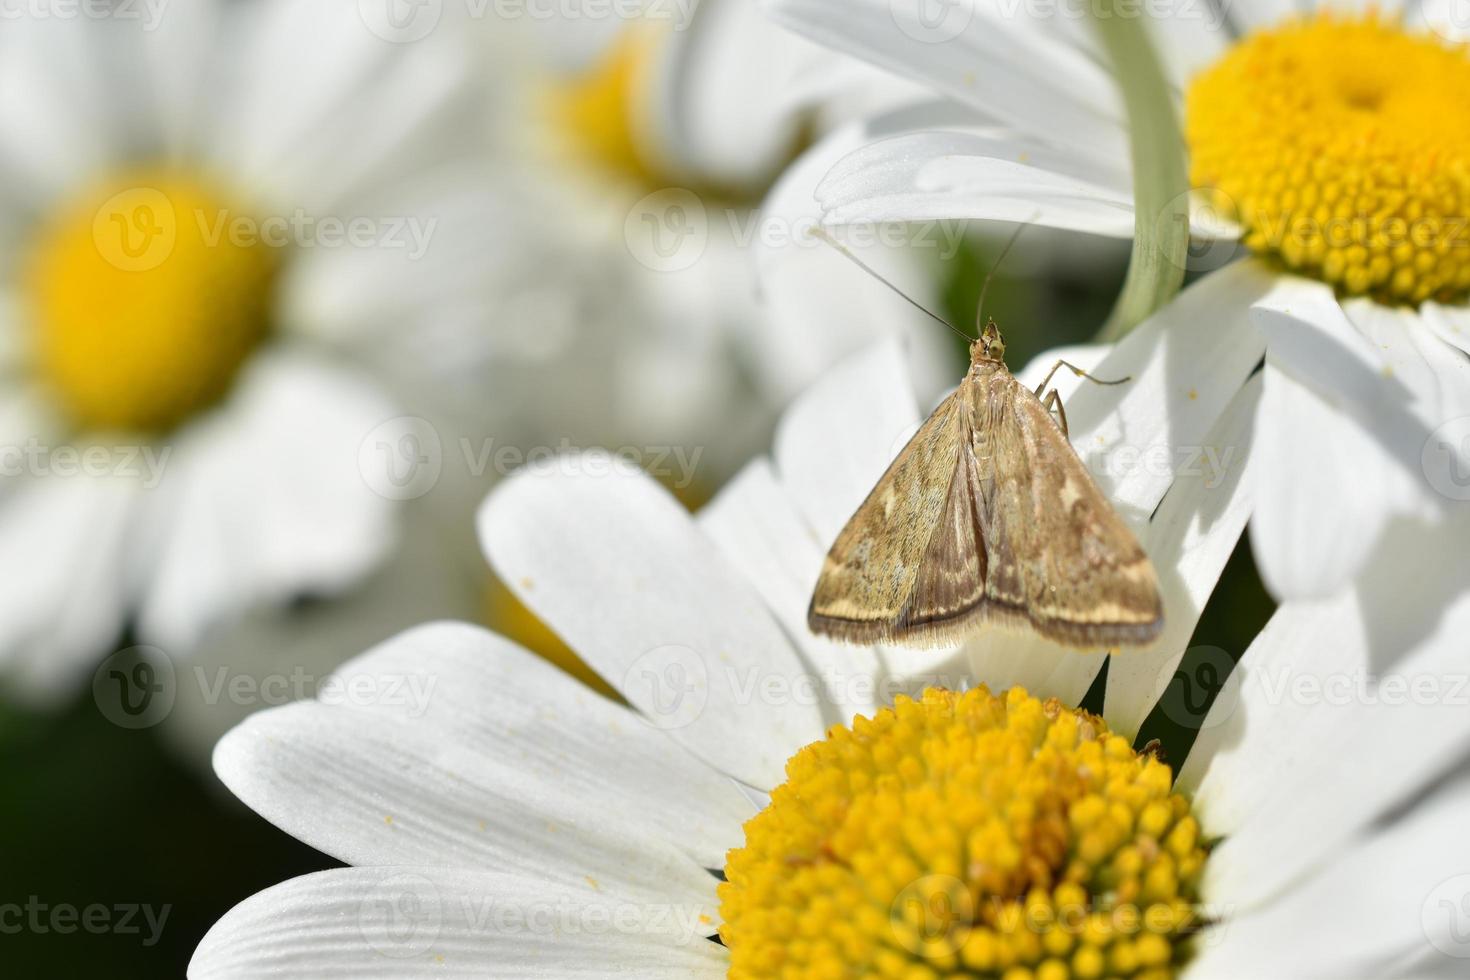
(985,286)
(847,253)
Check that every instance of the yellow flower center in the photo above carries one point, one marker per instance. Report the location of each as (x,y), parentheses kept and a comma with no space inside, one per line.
(146,302)
(598,116)
(1342,145)
(966,835)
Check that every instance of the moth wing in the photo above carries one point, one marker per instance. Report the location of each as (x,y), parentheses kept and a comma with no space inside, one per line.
(876,561)
(1059,556)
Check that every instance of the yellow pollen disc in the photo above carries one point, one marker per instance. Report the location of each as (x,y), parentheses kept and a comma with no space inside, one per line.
(599,115)
(145,302)
(1343,147)
(966,835)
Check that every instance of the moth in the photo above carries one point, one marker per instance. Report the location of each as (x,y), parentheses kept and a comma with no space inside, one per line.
(988,516)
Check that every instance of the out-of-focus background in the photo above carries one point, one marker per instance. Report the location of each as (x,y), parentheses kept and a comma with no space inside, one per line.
(287,285)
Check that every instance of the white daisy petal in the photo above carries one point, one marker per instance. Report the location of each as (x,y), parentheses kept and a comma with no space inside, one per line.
(1450,323)
(753,523)
(976,175)
(435,922)
(1413,866)
(266,500)
(369,790)
(612,563)
(489,696)
(819,306)
(1190,539)
(1325,491)
(1186,363)
(1030,78)
(1339,710)
(67,597)
(835,441)
(722,94)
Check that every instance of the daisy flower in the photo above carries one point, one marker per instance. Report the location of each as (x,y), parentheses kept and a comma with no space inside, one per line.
(640,146)
(1341,179)
(236,239)
(782,794)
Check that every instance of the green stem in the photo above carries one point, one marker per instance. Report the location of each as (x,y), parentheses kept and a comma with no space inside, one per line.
(1160,182)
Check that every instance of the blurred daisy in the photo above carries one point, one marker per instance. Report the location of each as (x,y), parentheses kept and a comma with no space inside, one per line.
(641,147)
(510,822)
(234,240)
(1346,183)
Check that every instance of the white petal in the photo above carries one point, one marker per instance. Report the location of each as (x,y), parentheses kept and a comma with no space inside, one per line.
(57,114)
(372,791)
(835,441)
(1450,323)
(1389,894)
(1446,18)
(721,94)
(612,563)
(1343,432)
(488,695)
(434,922)
(1013,68)
(976,175)
(68,585)
(1340,710)
(266,500)
(1189,538)
(1186,363)
(753,523)
(335,108)
(822,307)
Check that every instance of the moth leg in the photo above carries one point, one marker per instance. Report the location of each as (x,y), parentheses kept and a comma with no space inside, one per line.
(1077,371)
(1052,402)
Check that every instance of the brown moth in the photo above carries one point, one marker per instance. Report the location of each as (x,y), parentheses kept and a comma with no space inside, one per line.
(988,516)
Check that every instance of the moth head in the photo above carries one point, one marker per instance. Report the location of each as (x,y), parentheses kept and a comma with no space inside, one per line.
(991,346)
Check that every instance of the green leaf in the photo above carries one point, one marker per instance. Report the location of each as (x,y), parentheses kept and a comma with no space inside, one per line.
(1160,180)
